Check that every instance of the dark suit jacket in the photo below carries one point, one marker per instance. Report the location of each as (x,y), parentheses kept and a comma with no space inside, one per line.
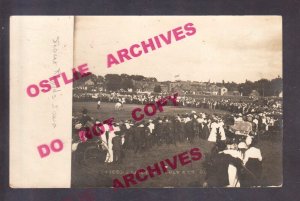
(117,143)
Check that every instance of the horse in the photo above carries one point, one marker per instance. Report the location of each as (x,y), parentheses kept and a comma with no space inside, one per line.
(119,106)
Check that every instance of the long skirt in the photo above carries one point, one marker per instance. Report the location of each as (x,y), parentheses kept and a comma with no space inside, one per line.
(233,176)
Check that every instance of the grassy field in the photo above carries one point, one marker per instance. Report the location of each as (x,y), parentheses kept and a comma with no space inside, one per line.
(93,174)
(107,110)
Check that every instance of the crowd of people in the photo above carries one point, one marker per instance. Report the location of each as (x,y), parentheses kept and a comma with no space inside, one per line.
(233,105)
(233,157)
(234,164)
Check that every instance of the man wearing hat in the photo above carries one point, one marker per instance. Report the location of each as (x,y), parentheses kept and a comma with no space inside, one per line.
(189,129)
(178,133)
(139,137)
(173,134)
(166,131)
(83,126)
(195,126)
(158,131)
(239,117)
(129,136)
(107,140)
(117,147)
(85,117)
(98,104)
(148,136)
(151,127)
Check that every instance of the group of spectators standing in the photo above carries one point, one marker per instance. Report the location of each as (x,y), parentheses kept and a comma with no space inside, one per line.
(233,105)
(233,157)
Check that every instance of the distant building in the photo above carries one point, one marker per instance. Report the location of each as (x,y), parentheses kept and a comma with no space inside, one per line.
(232,93)
(165,86)
(86,85)
(212,89)
(222,90)
(179,86)
(254,94)
(89,82)
(144,85)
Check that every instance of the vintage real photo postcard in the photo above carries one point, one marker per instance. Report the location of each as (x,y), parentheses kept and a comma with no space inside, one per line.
(146,101)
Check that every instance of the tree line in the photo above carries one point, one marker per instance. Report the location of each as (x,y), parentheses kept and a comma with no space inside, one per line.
(115,82)
(264,87)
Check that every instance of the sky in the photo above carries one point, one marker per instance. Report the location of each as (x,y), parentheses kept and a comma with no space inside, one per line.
(229,48)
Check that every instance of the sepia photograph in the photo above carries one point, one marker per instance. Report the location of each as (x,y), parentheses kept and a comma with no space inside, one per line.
(177,101)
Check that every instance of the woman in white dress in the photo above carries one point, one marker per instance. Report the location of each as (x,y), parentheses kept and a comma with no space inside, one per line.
(233,171)
(221,129)
(217,128)
(213,132)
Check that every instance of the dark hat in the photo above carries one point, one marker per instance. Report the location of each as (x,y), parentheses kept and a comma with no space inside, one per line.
(84,111)
(119,133)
